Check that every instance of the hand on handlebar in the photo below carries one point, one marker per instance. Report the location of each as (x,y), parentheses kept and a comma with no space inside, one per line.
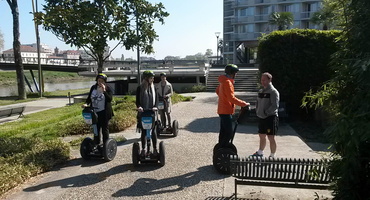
(140,109)
(84,105)
(155,109)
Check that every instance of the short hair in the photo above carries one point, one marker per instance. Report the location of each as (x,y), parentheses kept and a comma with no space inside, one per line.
(269,76)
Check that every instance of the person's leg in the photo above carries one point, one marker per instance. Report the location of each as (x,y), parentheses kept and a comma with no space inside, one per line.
(163,118)
(225,130)
(154,139)
(272,144)
(143,138)
(262,137)
(273,125)
(143,141)
(262,142)
(169,118)
(104,125)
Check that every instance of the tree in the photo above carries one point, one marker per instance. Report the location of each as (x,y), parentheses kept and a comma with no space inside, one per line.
(281,19)
(13,4)
(91,24)
(346,97)
(208,53)
(331,14)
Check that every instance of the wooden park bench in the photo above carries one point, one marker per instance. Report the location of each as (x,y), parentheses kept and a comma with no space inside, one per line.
(280,172)
(8,111)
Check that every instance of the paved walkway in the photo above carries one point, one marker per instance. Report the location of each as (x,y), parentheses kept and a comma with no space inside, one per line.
(188,173)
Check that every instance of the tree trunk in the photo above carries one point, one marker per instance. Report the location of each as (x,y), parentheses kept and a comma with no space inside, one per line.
(100,64)
(17,50)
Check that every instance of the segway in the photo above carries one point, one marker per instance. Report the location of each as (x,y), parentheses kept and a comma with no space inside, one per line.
(221,155)
(174,129)
(148,122)
(88,148)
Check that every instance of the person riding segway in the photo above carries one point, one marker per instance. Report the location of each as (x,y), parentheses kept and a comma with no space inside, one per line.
(97,112)
(146,103)
(225,110)
(165,91)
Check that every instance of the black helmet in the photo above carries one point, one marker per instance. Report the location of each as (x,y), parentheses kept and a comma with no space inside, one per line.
(163,74)
(148,74)
(231,69)
(102,76)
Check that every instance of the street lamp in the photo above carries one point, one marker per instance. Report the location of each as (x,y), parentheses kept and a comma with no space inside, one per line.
(217,35)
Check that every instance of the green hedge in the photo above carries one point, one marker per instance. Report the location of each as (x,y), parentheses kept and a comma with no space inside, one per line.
(298,61)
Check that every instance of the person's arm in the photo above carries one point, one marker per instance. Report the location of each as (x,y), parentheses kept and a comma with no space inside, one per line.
(88,99)
(229,91)
(170,90)
(274,100)
(138,103)
(108,93)
(218,90)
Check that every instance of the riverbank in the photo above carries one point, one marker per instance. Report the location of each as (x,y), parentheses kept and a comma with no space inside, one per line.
(9,78)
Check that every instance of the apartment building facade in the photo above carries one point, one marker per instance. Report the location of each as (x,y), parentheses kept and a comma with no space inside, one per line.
(246,20)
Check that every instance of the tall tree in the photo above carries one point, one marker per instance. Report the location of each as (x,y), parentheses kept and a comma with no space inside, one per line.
(281,19)
(91,24)
(13,4)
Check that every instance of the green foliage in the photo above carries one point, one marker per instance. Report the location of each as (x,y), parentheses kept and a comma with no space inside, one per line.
(331,15)
(175,98)
(194,88)
(348,92)
(281,19)
(298,61)
(101,21)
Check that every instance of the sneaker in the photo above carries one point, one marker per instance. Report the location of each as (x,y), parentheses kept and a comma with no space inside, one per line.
(272,157)
(256,154)
(142,153)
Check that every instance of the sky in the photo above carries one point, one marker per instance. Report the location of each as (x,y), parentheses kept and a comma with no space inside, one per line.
(189,29)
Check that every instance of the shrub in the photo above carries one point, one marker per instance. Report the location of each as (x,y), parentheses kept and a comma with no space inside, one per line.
(298,61)
(26,157)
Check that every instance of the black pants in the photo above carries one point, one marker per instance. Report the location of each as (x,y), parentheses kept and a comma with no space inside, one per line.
(143,138)
(103,125)
(226,130)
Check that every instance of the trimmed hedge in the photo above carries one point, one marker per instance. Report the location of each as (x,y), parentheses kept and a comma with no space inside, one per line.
(298,60)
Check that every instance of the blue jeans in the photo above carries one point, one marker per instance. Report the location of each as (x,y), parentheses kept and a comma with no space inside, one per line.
(226,130)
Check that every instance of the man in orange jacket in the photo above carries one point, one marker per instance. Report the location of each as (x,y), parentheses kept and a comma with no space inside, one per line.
(226,103)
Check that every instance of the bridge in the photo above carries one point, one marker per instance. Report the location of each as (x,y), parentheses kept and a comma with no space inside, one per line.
(116,68)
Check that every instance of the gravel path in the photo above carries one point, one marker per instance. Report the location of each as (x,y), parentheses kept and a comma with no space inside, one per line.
(188,173)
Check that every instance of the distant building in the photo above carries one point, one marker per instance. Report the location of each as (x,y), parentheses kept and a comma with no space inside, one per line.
(28,53)
(246,20)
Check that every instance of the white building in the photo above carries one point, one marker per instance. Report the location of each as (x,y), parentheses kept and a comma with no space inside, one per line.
(246,20)
(28,53)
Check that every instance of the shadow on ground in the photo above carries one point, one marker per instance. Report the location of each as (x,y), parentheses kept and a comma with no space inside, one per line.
(149,186)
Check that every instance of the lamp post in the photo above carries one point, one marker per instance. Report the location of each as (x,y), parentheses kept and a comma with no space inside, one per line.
(217,35)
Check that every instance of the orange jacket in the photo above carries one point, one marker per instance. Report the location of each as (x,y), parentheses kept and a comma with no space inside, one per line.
(226,97)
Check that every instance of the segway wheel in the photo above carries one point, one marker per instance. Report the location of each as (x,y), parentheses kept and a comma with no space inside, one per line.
(86,148)
(175,128)
(162,152)
(221,160)
(135,154)
(110,149)
(230,146)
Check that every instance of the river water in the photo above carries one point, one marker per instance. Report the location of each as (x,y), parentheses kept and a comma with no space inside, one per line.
(49,87)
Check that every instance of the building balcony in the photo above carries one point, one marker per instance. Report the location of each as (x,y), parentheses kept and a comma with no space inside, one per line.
(306,15)
(262,1)
(261,18)
(243,20)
